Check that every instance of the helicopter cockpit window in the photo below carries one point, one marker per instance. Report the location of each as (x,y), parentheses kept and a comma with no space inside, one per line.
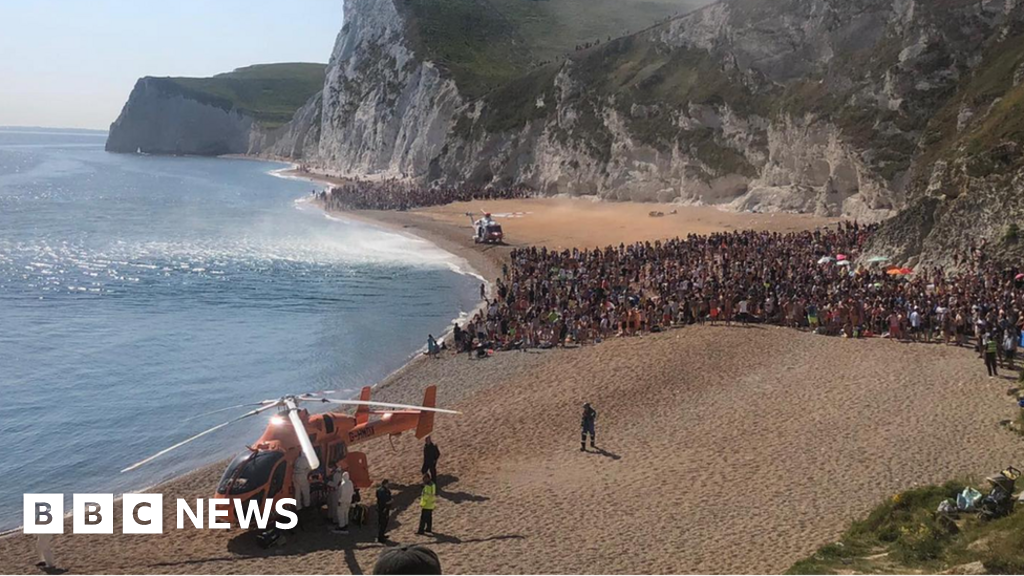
(248,471)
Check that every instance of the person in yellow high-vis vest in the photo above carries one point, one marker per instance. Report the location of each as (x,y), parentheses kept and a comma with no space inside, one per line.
(428,499)
(990,346)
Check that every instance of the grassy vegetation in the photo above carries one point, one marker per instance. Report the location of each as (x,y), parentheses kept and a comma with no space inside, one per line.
(528,97)
(988,90)
(485,43)
(904,535)
(270,93)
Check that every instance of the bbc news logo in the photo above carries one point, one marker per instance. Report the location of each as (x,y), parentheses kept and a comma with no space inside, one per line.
(144,513)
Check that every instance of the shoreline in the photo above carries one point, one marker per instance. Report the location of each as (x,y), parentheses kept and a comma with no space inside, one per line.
(290,172)
(817,429)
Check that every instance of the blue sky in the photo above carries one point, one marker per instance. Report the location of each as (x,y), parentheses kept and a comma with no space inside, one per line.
(72,63)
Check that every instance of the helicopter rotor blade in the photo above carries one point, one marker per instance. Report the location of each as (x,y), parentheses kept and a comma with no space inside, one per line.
(236,406)
(300,432)
(380,404)
(197,436)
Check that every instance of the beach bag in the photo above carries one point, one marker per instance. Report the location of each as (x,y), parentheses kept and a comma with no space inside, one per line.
(947,506)
(357,514)
(269,538)
(968,499)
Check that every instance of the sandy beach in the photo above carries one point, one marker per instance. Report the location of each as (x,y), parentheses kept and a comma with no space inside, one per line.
(723,449)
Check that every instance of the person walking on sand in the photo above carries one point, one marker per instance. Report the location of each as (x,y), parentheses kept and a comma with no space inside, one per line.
(431,454)
(45,551)
(383,511)
(589,417)
(300,479)
(344,502)
(428,499)
(990,347)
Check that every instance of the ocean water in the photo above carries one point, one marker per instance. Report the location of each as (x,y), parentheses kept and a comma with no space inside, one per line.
(137,291)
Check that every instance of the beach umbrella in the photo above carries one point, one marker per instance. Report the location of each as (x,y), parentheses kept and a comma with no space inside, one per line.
(843,263)
(840,256)
(825,260)
(877,259)
(1019,276)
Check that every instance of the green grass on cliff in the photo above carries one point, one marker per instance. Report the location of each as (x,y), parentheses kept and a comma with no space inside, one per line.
(485,43)
(990,94)
(270,93)
(904,536)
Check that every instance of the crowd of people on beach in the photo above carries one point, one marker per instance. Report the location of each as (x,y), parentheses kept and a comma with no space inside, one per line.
(400,195)
(808,280)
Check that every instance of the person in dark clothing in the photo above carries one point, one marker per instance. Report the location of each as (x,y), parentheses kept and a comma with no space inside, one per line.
(430,456)
(383,511)
(589,416)
(457,337)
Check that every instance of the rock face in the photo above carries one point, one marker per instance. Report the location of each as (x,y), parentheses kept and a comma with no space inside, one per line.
(237,112)
(386,112)
(858,108)
(158,119)
(799,105)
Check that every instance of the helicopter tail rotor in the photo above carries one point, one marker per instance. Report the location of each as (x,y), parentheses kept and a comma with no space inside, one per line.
(363,412)
(425,423)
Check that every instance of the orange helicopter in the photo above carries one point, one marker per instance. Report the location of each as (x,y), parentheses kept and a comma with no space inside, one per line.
(264,471)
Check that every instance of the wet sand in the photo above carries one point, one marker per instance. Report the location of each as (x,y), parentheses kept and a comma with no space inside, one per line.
(722,449)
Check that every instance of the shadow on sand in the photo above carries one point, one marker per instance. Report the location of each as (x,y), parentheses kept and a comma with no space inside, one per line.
(314,532)
(603,452)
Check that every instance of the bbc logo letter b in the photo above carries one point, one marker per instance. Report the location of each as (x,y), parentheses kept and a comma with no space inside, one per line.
(93,513)
(43,514)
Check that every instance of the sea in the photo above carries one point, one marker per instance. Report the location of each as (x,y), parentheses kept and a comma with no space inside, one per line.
(138,292)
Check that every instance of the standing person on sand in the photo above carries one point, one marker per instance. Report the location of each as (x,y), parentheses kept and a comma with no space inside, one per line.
(345,491)
(45,551)
(431,454)
(589,417)
(300,480)
(333,483)
(1009,346)
(428,499)
(383,511)
(990,347)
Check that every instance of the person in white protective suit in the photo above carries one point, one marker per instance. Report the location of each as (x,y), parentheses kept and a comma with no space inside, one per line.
(45,551)
(344,498)
(300,479)
(333,483)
